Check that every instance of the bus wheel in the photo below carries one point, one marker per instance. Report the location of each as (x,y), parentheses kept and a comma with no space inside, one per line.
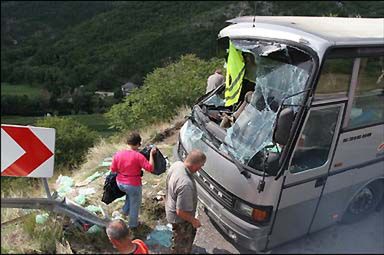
(364,202)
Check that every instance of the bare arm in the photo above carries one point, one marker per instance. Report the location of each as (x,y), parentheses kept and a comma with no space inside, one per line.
(187,216)
(151,157)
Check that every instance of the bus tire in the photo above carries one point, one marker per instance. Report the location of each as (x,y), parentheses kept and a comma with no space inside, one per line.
(364,202)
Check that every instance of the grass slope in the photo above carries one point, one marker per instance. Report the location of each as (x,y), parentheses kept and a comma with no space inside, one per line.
(25,236)
(95,122)
(20,90)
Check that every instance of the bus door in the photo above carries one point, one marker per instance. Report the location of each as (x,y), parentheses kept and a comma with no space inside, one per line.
(307,173)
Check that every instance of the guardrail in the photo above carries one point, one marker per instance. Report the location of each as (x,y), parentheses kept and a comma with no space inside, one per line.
(63,205)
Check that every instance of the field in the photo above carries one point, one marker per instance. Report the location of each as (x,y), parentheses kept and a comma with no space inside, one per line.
(95,122)
(19,90)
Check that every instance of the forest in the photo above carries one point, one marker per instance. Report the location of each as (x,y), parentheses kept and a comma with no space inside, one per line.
(60,46)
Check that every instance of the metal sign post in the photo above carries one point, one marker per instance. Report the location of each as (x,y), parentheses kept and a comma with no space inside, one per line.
(46,187)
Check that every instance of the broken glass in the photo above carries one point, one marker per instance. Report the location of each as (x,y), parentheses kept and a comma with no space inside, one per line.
(249,134)
(192,137)
(279,74)
(260,48)
(215,100)
(277,79)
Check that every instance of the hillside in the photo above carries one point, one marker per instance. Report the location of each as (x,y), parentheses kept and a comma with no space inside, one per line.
(101,45)
(21,232)
(112,47)
(22,20)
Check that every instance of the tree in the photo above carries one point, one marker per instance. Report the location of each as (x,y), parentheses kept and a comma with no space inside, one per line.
(164,91)
(73,139)
(118,94)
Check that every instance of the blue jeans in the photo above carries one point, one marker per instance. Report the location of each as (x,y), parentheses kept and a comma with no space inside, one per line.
(132,202)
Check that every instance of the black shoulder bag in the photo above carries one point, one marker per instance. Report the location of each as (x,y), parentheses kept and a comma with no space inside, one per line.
(111,190)
(160,162)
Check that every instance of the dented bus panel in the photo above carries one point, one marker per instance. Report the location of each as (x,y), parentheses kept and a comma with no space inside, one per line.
(301,147)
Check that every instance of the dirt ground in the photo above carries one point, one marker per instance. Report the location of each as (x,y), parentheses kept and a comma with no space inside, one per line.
(366,236)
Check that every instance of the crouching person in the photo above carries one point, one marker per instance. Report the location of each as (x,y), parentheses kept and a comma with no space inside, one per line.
(181,201)
(118,234)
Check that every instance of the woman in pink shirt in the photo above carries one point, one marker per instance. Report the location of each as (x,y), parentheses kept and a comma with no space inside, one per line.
(128,164)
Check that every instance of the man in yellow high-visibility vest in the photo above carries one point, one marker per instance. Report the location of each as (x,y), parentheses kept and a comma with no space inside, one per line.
(234,77)
(240,79)
(241,75)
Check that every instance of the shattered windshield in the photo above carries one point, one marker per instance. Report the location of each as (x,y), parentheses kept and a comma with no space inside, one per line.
(273,74)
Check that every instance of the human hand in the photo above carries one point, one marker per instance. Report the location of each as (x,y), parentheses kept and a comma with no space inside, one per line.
(196,223)
(153,150)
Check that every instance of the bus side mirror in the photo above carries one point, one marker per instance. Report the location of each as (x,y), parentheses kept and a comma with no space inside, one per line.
(283,126)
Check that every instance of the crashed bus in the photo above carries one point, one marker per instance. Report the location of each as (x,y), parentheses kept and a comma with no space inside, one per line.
(295,137)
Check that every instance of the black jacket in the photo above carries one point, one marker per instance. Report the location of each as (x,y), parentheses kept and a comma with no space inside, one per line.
(111,190)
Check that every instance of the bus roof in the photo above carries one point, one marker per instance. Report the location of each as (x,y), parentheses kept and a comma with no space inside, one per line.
(317,32)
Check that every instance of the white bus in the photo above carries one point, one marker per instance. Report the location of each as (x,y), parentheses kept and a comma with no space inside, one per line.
(295,138)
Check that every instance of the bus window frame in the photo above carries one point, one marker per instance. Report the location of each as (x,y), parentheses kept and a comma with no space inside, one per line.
(351,97)
(338,129)
(352,92)
(348,51)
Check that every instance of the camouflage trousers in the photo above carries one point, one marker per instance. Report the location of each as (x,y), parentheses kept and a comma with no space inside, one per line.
(182,237)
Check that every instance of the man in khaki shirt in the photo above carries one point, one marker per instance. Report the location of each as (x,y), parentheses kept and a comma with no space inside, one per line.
(215,80)
(181,201)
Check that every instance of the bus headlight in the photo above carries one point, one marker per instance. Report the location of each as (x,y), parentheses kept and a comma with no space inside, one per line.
(259,214)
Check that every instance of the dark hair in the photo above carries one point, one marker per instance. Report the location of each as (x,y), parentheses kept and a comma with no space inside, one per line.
(218,70)
(134,138)
(117,230)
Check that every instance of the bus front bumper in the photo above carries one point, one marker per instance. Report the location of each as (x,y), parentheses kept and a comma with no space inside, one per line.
(240,232)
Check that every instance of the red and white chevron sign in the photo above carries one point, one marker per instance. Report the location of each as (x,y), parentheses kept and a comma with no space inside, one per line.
(27,151)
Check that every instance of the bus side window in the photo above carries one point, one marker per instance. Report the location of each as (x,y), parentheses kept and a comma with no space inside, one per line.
(368,102)
(334,79)
(313,146)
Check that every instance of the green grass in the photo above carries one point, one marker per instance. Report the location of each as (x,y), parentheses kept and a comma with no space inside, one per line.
(20,90)
(19,120)
(95,122)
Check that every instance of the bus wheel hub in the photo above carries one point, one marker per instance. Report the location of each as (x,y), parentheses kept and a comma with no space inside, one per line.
(362,202)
